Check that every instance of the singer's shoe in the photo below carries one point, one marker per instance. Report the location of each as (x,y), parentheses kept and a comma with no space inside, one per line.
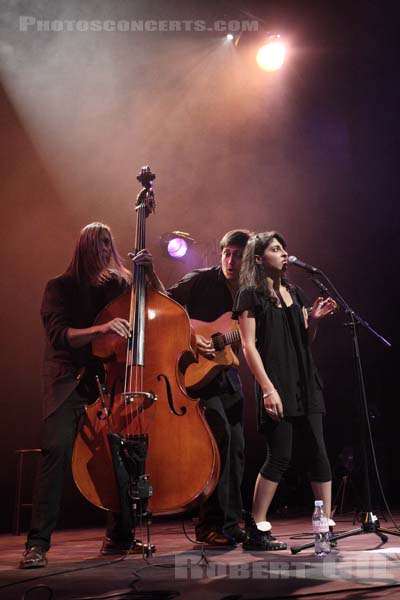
(238,534)
(258,540)
(33,558)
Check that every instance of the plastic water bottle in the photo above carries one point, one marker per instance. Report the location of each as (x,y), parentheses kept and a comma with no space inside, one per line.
(320,524)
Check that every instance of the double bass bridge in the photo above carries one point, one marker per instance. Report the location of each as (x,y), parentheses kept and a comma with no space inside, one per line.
(147,397)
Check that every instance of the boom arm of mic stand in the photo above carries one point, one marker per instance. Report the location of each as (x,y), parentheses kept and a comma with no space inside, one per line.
(368,326)
(322,288)
(355,318)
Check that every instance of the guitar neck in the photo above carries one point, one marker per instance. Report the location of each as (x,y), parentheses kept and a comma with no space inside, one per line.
(232,336)
(221,340)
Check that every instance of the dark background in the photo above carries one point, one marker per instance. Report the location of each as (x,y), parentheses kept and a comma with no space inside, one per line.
(311,151)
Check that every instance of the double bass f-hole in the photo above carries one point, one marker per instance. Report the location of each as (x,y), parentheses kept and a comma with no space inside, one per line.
(170,397)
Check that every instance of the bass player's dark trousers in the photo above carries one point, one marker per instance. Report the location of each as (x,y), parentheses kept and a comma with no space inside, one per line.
(58,437)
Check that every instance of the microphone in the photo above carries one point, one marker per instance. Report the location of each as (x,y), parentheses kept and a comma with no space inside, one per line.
(293,260)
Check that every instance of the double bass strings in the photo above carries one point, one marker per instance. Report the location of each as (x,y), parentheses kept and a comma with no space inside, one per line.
(134,381)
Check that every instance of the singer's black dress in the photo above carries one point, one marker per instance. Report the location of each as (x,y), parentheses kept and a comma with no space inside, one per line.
(282,342)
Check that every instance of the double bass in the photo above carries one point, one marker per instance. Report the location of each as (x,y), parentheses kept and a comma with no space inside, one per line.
(146,397)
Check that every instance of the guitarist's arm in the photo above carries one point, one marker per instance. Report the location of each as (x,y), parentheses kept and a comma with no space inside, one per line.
(183,292)
(186,293)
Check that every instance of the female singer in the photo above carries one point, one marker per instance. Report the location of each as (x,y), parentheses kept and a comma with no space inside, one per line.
(276,332)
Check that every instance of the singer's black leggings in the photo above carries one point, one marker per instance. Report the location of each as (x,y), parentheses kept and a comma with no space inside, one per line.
(307,436)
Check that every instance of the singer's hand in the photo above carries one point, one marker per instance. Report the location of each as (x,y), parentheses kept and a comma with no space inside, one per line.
(273,406)
(321,308)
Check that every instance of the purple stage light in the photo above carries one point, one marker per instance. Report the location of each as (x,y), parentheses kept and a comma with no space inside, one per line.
(176,244)
(177,247)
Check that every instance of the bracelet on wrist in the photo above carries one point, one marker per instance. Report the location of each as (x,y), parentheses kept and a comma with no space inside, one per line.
(269,393)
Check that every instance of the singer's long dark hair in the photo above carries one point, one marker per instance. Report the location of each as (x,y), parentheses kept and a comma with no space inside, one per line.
(252,274)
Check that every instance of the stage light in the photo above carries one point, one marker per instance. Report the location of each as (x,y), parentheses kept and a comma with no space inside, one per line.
(271,56)
(229,36)
(177,248)
(176,244)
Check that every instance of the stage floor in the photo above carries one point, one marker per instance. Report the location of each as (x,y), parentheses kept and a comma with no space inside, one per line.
(360,567)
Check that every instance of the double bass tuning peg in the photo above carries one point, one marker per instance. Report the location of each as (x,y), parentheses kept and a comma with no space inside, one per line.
(146,195)
(145,177)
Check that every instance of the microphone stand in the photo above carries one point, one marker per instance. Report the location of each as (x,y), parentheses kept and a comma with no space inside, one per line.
(369,521)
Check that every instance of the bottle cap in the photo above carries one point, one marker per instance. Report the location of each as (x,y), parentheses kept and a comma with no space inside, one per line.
(318,503)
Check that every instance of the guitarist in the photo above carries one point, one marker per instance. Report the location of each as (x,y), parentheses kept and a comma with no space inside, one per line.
(207,294)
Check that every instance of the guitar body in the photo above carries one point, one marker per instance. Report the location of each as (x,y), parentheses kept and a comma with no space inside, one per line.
(202,372)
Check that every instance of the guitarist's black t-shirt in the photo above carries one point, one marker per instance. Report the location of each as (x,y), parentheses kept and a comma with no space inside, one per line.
(206,296)
(204,293)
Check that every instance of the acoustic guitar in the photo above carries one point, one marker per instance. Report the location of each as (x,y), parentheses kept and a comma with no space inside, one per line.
(223,332)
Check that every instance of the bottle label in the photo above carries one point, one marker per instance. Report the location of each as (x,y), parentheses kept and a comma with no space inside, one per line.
(321,526)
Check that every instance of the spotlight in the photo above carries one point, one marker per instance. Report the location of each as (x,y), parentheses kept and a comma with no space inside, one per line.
(271,56)
(229,36)
(175,244)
